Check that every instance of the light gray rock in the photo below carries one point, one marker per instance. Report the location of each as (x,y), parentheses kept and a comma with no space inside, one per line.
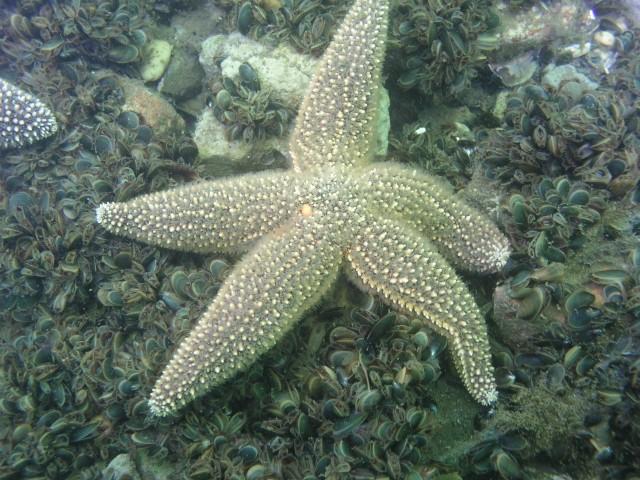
(281,70)
(535,24)
(567,80)
(157,54)
(151,106)
(210,139)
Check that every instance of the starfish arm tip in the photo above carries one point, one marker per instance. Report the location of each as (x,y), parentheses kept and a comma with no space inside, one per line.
(102,212)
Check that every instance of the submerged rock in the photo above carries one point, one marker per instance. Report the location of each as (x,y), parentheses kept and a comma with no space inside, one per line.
(212,142)
(558,20)
(183,78)
(516,71)
(122,467)
(281,70)
(157,54)
(155,110)
(565,79)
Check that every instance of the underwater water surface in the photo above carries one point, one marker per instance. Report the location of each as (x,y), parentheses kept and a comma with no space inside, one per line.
(526,111)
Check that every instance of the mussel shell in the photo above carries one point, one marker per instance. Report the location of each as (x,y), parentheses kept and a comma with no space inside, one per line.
(129,120)
(123,53)
(245,18)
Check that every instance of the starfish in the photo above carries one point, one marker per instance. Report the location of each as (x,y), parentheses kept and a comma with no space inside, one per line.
(24,119)
(392,229)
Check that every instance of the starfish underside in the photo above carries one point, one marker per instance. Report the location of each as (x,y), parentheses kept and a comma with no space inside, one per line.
(394,230)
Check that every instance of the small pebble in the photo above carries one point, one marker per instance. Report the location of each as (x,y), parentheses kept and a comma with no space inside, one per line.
(604,38)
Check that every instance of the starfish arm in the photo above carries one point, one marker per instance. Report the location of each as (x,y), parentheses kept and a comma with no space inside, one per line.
(217,216)
(463,235)
(389,259)
(336,122)
(268,291)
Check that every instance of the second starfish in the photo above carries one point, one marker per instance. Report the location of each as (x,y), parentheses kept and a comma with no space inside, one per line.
(392,229)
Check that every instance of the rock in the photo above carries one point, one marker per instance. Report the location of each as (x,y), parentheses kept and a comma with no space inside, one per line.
(154,110)
(511,329)
(604,38)
(122,467)
(234,155)
(156,54)
(193,26)
(384,124)
(559,21)
(567,80)
(281,70)
(210,139)
(516,71)
(500,106)
(183,78)
(212,143)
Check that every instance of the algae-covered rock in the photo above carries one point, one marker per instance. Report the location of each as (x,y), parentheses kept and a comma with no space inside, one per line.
(546,429)
(567,80)
(155,110)
(281,70)
(183,78)
(157,54)
(154,468)
(216,150)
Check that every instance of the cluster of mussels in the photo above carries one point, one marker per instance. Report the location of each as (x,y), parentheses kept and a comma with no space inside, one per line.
(592,138)
(436,46)
(249,112)
(306,24)
(360,398)
(74,370)
(568,315)
(442,150)
(357,405)
(98,31)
